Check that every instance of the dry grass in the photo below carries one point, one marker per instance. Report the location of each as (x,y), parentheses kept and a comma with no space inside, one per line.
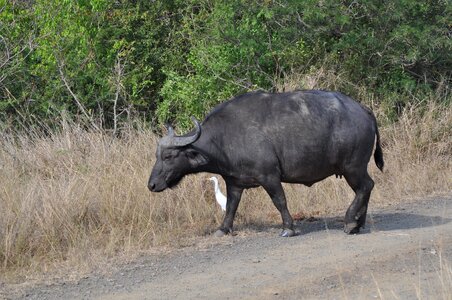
(74,199)
(440,283)
(445,278)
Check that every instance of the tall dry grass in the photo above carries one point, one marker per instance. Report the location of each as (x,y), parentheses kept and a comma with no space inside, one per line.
(74,198)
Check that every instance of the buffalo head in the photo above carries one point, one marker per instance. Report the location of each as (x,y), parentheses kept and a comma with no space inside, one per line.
(175,157)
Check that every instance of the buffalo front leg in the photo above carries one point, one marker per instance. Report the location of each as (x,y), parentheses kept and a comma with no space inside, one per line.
(355,217)
(234,194)
(276,193)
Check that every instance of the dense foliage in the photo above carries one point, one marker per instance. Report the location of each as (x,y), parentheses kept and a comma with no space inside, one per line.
(107,61)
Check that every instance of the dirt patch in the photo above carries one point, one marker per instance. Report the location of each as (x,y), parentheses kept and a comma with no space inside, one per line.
(405,252)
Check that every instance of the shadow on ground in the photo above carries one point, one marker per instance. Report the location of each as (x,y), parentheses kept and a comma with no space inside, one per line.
(375,222)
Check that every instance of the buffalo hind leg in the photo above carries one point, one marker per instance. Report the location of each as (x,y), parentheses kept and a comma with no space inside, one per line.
(362,185)
(276,193)
(233,199)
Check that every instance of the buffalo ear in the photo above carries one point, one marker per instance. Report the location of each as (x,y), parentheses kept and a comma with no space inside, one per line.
(195,158)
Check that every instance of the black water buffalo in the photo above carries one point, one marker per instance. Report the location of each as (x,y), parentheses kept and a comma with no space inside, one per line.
(263,139)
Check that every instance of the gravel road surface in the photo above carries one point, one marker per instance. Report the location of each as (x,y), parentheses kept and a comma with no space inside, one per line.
(404,253)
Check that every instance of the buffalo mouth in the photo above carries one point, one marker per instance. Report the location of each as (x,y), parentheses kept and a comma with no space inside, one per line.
(172,183)
(157,187)
(163,185)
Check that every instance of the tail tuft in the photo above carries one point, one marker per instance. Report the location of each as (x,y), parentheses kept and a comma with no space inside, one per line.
(378,154)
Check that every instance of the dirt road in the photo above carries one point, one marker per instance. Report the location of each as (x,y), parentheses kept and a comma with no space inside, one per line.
(404,253)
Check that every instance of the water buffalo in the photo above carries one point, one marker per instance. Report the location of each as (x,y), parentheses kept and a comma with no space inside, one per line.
(263,139)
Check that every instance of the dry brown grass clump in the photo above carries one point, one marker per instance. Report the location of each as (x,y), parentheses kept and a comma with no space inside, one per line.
(76,198)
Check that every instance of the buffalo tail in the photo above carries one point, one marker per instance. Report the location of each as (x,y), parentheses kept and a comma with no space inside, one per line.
(378,154)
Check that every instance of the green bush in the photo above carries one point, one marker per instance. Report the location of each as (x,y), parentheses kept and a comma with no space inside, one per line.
(106,61)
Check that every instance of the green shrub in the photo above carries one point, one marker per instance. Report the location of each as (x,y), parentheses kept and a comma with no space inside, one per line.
(166,60)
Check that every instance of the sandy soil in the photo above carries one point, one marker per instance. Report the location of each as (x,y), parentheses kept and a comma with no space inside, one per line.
(404,253)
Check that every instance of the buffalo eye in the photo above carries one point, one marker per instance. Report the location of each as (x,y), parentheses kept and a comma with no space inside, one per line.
(169,155)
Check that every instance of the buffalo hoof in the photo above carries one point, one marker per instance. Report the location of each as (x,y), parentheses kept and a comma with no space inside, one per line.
(219,233)
(287,233)
(351,228)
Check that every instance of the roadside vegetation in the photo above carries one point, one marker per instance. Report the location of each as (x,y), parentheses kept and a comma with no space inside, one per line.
(77,197)
(86,86)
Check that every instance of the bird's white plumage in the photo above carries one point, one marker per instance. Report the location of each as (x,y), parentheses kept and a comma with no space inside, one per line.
(221,199)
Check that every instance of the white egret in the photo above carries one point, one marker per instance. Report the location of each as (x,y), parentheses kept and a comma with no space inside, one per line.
(221,199)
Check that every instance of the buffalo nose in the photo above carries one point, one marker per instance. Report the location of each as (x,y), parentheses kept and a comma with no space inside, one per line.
(151,187)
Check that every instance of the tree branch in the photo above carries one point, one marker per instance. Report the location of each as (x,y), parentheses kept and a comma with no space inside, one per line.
(74,96)
(119,72)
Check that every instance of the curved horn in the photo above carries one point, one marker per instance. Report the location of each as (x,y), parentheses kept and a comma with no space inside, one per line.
(170,130)
(180,141)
